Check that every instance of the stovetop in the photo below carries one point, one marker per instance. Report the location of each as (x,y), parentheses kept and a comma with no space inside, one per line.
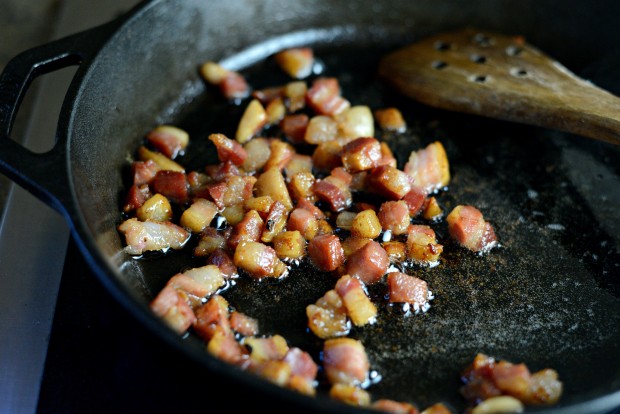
(101,360)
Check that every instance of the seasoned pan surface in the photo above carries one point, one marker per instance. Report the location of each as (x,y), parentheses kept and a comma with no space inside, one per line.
(549,296)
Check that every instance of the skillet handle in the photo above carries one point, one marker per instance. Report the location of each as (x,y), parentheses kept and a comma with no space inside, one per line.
(43,174)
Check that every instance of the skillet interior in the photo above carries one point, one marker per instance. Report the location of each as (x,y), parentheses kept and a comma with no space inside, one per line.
(549,296)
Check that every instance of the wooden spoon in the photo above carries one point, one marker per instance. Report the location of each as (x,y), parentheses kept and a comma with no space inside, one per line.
(503,77)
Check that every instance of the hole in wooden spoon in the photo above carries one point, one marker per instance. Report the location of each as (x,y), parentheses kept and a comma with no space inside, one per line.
(482,40)
(442,46)
(479,78)
(439,64)
(478,59)
(518,72)
(514,50)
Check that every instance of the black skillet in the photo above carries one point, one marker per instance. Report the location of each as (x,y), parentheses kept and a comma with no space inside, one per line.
(548,296)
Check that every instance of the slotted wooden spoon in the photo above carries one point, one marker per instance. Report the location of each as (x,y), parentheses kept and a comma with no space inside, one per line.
(503,77)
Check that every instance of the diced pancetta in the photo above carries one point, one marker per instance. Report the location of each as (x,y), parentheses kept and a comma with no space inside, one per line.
(211,317)
(320,128)
(422,246)
(172,306)
(258,260)
(210,240)
(200,281)
(172,184)
(169,140)
(359,307)
(327,318)
(234,190)
(281,154)
(390,119)
(355,122)
(415,200)
(394,217)
(301,363)
(296,62)
(468,227)
(369,263)
(290,244)
(324,98)
(249,228)
(294,127)
(224,345)
(224,262)
(303,221)
(271,182)
(142,236)
(267,348)
(136,196)
(334,190)
(350,394)
(326,252)
(394,407)
(345,361)
(228,149)
(404,288)
(275,222)
(252,121)
(199,215)
(243,324)
(361,154)
(234,86)
(390,182)
(144,171)
(429,167)
(486,378)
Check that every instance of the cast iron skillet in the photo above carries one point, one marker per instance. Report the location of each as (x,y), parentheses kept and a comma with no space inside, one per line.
(549,296)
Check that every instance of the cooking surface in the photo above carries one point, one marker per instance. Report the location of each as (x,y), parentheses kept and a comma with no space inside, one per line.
(546,295)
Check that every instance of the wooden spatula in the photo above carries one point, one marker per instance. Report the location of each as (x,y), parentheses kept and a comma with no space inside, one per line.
(503,77)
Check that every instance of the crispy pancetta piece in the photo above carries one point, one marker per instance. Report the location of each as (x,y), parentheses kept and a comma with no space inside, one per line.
(394,407)
(169,140)
(486,377)
(345,361)
(390,182)
(369,263)
(173,307)
(258,260)
(359,307)
(296,62)
(361,154)
(394,217)
(334,189)
(468,227)
(200,281)
(404,288)
(429,167)
(142,236)
(171,184)
(228,149)
(350,394)
(327,318)
(326,252)
(324,98)
(422,246)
